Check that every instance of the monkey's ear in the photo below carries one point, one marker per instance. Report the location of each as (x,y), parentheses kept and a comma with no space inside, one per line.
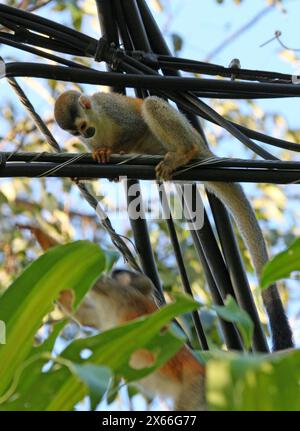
(143,284)
(85,102)
(123,277)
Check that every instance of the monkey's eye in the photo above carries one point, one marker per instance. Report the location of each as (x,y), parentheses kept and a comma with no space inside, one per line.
(83,127)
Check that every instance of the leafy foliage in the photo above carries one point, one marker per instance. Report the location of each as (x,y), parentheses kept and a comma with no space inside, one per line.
(282,265)
(32,378)
(253,382)
(231,312)
(25,303)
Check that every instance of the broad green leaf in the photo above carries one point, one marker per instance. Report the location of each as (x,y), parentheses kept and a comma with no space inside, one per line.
(36,389)
(60,388)
(231,312)
(24,304)
(48,344)
(111,258)
(113,388)
(238,381)
(114,348)
(281,265)
(96,378)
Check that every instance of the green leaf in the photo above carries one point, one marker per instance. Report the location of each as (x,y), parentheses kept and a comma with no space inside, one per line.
(112,389)
(39,390)
(76,14)
(72,375)
(48,344)
(111,258)
(24,304)
(236,381)
(281,265)
(114,348)
(231,312)
(177,42)
(97,379)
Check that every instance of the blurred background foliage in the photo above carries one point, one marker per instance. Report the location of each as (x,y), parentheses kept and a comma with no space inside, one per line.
(32,207)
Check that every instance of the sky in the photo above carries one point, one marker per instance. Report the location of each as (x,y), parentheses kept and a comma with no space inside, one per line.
(204,25)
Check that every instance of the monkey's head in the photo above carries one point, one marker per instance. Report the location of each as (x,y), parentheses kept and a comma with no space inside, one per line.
(124,285)
(133,280)
(117,298)
(72,112)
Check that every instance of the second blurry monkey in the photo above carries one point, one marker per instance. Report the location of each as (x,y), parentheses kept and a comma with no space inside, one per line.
(124,296)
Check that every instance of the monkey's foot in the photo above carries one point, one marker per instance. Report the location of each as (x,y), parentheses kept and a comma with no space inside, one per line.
(77,180)
(101,155)
(174,160)
(167,166)
(164,171)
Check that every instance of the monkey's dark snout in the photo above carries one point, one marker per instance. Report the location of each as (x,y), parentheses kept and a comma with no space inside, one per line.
(89,132)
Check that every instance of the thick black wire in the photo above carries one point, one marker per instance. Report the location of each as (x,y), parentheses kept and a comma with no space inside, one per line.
(144,172)
(130,80)
(139,226)
(136,30)
(237,272)
(137,22)
(219,212)
(39,23)
(276,166)
(16,16)
(156,82)
(180,262)
(158,43)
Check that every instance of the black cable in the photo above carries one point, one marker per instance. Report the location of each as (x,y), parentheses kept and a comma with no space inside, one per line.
(141,81)
(237,272)
(86,158)
(139,225)
(180,262)
(144,172)
(158,42)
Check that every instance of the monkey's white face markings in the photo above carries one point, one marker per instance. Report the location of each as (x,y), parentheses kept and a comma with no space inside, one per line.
(84,128)
(73,132)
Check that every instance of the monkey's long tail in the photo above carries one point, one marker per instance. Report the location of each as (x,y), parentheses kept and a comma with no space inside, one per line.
(235,199)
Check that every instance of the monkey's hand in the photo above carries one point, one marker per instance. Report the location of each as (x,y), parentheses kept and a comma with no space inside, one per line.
(102,154)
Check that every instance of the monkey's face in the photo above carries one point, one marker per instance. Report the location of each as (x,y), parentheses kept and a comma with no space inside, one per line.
(73,113)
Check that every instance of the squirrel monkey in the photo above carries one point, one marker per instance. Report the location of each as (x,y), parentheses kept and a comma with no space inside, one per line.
(113,123)
(124,296)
